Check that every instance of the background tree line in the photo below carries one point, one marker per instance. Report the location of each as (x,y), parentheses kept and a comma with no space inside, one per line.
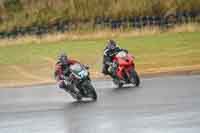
(23,13)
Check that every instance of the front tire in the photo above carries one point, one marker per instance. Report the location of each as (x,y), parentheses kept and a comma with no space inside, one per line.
(94,95)
(135,79)
(90,90)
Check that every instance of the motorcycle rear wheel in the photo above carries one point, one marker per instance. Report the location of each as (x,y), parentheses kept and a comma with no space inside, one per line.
(76,96)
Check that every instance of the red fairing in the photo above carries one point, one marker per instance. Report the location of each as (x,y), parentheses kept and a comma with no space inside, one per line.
(125,64)
(72,62)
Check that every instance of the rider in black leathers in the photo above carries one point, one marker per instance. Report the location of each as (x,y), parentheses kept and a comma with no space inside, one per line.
(109,52)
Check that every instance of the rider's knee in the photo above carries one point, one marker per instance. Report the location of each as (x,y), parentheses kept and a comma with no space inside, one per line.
(61,84)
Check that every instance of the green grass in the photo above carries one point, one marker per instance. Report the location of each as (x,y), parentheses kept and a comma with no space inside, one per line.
(151,51)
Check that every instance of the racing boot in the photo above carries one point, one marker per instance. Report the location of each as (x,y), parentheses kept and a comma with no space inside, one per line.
(74,93)
(113,71)
(105,69)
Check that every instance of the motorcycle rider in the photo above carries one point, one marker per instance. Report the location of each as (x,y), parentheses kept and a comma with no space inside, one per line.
(109,52)
(62,72)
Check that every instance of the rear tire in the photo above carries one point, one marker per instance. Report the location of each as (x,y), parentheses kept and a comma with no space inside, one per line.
(79,98)
(120,85)
(76,96)
(135,79)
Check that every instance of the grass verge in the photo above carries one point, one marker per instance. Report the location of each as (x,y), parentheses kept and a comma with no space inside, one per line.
(33,62)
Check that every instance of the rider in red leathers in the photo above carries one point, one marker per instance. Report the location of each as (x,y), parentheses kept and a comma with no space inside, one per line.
(62,71)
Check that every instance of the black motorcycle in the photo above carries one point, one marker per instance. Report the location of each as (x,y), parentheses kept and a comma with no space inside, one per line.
(81,83)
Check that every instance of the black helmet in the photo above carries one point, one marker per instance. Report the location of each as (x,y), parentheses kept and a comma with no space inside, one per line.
(111,44)
(63,59)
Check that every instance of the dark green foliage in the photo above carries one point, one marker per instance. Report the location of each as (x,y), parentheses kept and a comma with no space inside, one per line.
(30,12)
(13,5)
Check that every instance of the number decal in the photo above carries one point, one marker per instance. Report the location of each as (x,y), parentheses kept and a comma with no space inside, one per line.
(82,73)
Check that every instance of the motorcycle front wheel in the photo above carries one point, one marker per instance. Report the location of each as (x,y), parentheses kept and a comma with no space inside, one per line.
(135,79)
(90,90)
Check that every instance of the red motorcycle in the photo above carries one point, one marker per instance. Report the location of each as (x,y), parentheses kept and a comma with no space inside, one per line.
(124,68)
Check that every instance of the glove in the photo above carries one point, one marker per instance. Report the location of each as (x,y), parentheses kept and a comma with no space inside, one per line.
(125,50)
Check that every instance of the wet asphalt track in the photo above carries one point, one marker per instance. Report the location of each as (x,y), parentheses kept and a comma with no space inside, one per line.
(159,105)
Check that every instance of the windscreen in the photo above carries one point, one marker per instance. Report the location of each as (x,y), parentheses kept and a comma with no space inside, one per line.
(76,67)
(121,54)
